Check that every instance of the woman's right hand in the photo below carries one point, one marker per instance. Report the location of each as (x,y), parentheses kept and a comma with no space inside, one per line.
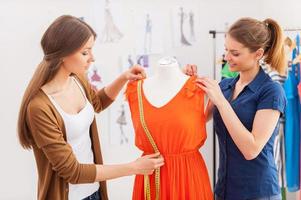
(135,72)
(146,165)
(190,70)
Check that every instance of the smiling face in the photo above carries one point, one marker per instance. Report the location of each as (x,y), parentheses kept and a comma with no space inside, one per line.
(239,57)
(80,61)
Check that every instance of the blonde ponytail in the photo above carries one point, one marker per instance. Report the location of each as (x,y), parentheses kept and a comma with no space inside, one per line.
(275,55)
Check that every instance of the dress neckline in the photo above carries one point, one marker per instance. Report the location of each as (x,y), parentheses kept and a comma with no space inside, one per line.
(169,101)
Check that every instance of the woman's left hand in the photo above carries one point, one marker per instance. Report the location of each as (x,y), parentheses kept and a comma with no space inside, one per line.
(190,70)
(136,72)
(212,89)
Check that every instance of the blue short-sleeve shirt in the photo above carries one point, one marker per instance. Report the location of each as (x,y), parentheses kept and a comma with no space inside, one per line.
(238,178)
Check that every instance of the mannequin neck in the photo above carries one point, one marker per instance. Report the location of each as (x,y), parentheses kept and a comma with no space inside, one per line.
(167,81)
(167,69)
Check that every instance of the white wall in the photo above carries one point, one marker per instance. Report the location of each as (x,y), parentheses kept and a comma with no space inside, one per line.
(22,25)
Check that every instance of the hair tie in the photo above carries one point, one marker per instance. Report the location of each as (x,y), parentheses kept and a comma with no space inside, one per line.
(46,57)
(51,56)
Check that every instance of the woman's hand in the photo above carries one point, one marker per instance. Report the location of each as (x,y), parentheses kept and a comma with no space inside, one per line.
(190,70)
(212,89)
(147,164)
(136,72)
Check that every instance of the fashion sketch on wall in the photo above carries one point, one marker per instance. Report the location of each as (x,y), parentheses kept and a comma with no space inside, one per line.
(121,131)
(120,125)
(191,26)
(184,26)
(121,121)
(148,32)
(131,59)
(183,18)
(110,32)
(94,77)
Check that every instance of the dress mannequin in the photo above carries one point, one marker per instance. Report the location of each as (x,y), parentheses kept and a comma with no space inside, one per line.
(165,84)
(168,116)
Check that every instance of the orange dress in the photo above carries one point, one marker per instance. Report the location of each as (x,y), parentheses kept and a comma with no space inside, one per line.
(178,129)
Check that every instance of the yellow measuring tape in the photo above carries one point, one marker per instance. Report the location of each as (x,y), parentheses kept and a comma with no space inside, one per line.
(147,192)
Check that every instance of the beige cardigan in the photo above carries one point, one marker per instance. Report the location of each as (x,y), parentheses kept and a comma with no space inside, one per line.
(56,163)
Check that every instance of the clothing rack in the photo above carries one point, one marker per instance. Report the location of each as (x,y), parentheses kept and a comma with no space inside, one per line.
(214,33)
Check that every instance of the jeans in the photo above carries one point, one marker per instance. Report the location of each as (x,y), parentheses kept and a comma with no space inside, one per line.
(94,196)
(274,197)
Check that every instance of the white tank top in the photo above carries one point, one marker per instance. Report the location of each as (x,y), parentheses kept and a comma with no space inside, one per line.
(78,136)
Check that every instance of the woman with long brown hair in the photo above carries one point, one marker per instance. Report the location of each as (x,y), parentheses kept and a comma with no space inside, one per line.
(57,121)
(246,111)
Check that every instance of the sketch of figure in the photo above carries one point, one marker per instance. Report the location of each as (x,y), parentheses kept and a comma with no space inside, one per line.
(148,35)
(111,32)
(121,120)
(143,60)
(182,19)
(191,24)
(130,61)
(94,78)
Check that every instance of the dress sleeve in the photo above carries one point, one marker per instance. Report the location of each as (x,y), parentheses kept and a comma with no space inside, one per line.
(131,91)
(48,137)
(194,92)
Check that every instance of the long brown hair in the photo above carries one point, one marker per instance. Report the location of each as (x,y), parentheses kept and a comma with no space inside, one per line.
(63,37)
(266,34)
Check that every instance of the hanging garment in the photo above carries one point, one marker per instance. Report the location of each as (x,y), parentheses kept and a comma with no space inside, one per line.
(178,129)
(292,128)
(226,73)
(298,88)
(279,147)
(279,155)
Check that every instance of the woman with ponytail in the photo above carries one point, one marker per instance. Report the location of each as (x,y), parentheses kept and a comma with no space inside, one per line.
(56,118)
(246,111)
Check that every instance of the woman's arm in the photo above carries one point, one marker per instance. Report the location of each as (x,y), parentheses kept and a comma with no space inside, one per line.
(144,166)
(209,110)
(249,143)
(49,138)
(134,73)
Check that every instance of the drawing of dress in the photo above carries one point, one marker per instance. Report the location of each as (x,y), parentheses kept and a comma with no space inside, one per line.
(121,120)
(130,61)
(191,23)
(111,32)
(182,18)
(94,78)
(148,35)
(143,61)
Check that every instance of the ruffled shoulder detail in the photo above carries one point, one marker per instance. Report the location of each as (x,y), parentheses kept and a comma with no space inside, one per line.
(131,91)
(192,89)
(196,94)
